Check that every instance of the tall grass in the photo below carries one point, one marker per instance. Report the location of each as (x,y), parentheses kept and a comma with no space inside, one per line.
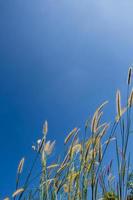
(83,171)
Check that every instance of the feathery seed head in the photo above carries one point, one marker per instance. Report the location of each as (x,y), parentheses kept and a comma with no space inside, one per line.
(129,76)
(20,166)
(48,147)
(118,103)
(45,128)
(70,135)
(96,117)
(17,192)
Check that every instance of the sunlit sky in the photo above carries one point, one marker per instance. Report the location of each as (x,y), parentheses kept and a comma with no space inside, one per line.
(59,59)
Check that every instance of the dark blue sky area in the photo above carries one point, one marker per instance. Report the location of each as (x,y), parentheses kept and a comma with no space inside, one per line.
(59,59)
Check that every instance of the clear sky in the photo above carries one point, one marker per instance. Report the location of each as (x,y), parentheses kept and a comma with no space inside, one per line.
(59,59)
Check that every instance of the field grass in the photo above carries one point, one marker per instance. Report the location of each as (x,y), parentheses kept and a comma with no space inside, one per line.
(82,173)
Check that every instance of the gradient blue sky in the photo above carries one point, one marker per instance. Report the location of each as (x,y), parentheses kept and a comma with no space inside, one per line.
(59,59)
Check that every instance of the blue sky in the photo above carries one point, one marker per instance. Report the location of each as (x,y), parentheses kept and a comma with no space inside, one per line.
(58,61)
